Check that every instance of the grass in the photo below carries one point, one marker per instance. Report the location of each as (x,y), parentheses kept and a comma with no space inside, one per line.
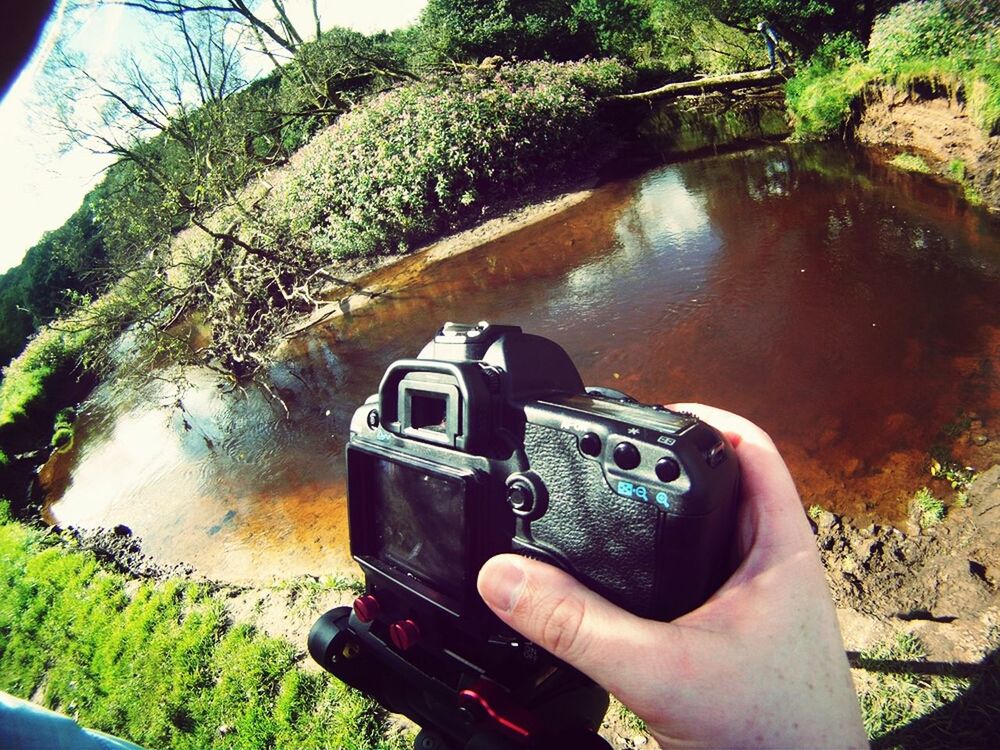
(305,591)
(911,163)
(62,431)
(161,666)
(814,512)
(931,508)
(915,44)
(625,718)
(892,697)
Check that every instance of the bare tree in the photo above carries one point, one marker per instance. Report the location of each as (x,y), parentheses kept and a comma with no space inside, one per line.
(280,30)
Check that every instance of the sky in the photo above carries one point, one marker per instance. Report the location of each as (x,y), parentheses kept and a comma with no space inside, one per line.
(42,187)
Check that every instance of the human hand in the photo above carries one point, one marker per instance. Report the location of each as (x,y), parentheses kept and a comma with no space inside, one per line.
(760,664)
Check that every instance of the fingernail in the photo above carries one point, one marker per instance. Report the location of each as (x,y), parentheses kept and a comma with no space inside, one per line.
(501,583)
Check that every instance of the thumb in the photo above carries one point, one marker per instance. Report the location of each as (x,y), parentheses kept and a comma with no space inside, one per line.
(553,609)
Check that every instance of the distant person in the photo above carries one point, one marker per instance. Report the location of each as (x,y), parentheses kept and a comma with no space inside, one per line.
(772,39)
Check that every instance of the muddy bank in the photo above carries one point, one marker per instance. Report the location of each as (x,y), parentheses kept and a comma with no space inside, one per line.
(934,123)
(941,583)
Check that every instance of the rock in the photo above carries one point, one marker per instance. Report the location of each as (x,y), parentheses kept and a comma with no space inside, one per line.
(865,548)
(984,496)
(122,530)
(826,521)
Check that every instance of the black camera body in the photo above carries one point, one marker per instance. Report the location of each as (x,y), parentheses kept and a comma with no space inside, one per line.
(488,442)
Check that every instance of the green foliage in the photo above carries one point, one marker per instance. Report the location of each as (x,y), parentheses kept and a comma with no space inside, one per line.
(931,508)
(51,352)
(821,94)
(814,512)
(911,163)
(941,42)
(161,667)
(958,476)
(893,696)
(62,430)
(71,257)
(916,31)
(329,75)
(417,159)
(685,35)
(455,31)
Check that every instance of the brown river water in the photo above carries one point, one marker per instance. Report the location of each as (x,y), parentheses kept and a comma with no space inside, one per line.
(850,309)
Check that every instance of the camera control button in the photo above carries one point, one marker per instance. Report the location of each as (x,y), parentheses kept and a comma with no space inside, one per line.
(521,497)
(366,608)
(667,469)
(590,444)
(404,634)
(626,456)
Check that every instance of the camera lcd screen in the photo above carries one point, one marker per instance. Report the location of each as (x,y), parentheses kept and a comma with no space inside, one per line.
(418,523)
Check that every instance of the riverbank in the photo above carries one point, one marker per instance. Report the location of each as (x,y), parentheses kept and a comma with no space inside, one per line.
(919,612)
(932,126)
(371,278)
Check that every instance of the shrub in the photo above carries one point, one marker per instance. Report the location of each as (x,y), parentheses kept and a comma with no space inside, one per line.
(25,379)
(415,160)
(821,94)
(62,431)
(932,29)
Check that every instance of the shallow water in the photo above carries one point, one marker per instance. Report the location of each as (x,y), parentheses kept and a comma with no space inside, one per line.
(848,308)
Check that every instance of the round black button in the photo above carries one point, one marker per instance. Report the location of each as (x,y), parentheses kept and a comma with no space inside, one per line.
(667,469)
(372,419)
(626,456)
(521,497)
(590,444)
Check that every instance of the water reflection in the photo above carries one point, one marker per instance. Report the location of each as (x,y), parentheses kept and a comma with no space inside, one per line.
(849,310)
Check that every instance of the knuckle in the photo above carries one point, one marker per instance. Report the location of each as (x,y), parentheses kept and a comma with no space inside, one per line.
(561,626)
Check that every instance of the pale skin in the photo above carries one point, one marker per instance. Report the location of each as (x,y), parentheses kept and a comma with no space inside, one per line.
(760,664)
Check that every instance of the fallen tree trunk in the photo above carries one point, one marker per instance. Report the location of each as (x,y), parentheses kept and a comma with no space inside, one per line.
(753,78)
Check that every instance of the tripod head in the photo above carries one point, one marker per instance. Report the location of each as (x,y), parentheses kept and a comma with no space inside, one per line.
(561,708)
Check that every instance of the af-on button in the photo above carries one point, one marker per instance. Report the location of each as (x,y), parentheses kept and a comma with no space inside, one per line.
(626,456)
(590,444)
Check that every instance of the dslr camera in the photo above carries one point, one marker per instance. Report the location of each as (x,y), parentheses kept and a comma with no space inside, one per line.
(488,442)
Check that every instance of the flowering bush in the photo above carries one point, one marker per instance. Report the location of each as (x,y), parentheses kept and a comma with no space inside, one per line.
(931,29)
(414,160)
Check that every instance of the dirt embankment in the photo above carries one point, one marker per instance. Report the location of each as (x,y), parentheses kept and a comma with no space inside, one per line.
(934,123)
(941,583)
